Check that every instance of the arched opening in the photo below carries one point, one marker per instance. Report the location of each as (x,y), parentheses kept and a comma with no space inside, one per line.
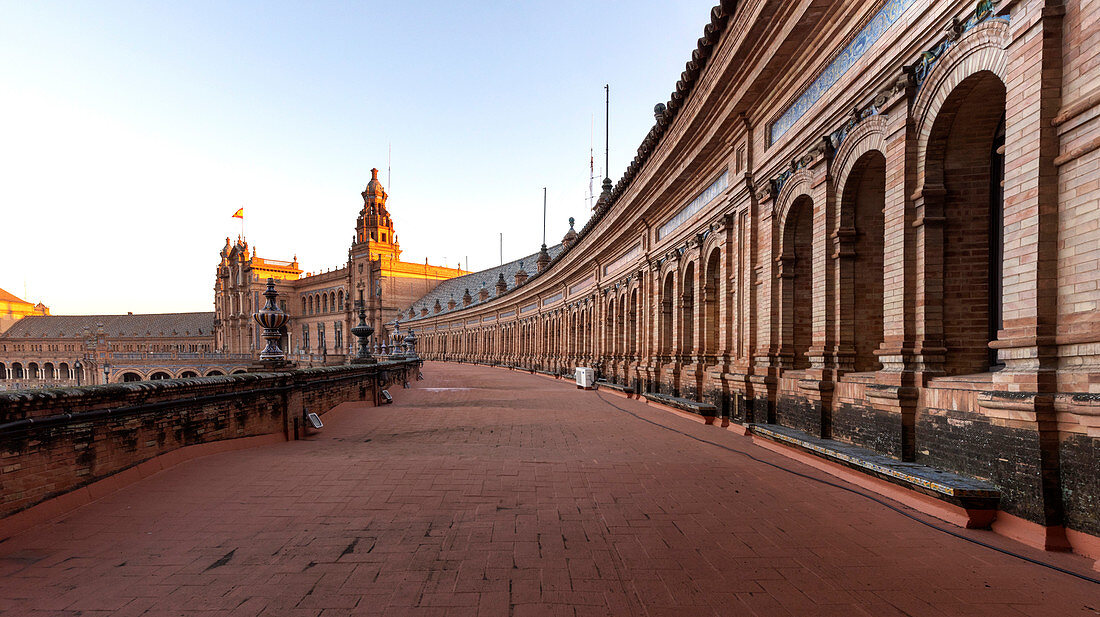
(712,286)
(239,371)
(667,291)
(32,371)
(687,311)
(632,330)
(63,371)
(340,299)
(798,285)
(48,371)
(131,377)
(965,156)
(188,374)
(324,303)
(160,375)
(861,281)
(311,305)
(214,372)
(609,329)
(17,371)
(3,371)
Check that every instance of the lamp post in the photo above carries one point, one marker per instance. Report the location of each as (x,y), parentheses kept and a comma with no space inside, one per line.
(106,372)
(78,367)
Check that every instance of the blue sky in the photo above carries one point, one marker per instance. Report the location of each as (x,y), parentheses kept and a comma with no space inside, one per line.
(130,132)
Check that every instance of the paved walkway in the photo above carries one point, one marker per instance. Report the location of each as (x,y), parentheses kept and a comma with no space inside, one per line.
(487,492)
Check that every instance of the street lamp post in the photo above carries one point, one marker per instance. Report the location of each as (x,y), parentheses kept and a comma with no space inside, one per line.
(106,372)
(79,369)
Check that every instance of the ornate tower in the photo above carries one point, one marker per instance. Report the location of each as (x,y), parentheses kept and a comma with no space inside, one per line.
(374,223)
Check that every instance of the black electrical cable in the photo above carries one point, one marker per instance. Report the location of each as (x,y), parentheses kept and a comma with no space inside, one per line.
(861,494)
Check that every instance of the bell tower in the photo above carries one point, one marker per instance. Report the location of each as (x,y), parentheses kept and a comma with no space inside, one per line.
(374,224)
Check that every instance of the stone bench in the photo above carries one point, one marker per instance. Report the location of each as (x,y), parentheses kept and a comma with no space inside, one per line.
(615,388)
(704,411)
(972,502)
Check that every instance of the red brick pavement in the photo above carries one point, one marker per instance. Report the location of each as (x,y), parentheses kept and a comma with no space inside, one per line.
(485,492)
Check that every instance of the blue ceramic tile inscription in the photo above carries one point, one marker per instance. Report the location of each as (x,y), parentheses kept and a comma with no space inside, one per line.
(832,73)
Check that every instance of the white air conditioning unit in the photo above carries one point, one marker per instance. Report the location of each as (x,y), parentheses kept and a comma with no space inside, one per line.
(586,378)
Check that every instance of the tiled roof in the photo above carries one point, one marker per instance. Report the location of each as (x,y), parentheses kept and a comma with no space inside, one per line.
(456,287)
(72,326)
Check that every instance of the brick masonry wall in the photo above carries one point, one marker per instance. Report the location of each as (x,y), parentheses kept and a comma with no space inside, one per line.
(1080,459)
(962,441)
(44,454)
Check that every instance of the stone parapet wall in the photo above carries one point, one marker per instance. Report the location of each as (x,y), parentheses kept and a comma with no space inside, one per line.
(57,440)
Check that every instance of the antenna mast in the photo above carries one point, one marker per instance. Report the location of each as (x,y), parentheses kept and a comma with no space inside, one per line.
(591,161)
(544,216)
(607,131)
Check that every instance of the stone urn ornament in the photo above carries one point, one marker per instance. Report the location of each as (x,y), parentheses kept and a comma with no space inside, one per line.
(363,331)
(271,319)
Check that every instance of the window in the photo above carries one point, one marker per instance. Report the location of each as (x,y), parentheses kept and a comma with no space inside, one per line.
(305,336)
(338,329)
(321,337)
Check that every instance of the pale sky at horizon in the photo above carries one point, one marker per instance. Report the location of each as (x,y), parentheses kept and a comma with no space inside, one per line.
(131,132)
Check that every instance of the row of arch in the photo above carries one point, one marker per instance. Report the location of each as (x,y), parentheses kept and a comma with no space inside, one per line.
(47,371)
(159,374)
(845,286)
(320,303)
(66,372)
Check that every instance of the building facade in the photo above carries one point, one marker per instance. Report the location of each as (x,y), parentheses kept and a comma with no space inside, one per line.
(873,222)
(69,350)
(42,350)
(14,308)
(322,305)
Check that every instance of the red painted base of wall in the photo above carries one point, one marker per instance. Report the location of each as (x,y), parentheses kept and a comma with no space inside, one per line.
(1032,534)
(64,504)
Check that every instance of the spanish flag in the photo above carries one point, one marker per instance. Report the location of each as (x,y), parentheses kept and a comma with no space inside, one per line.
(239,214)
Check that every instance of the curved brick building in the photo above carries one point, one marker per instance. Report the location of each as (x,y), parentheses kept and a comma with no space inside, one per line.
(875,224)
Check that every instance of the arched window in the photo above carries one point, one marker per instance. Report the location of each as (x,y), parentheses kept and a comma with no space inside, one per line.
(324,303)
(340,298)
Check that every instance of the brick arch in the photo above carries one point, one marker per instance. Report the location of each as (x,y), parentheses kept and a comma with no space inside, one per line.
(712,241)
(797,185)
(684,262)
(982,49)
(868,135)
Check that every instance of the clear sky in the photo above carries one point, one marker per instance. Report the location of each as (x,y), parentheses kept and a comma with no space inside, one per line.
(131,131)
